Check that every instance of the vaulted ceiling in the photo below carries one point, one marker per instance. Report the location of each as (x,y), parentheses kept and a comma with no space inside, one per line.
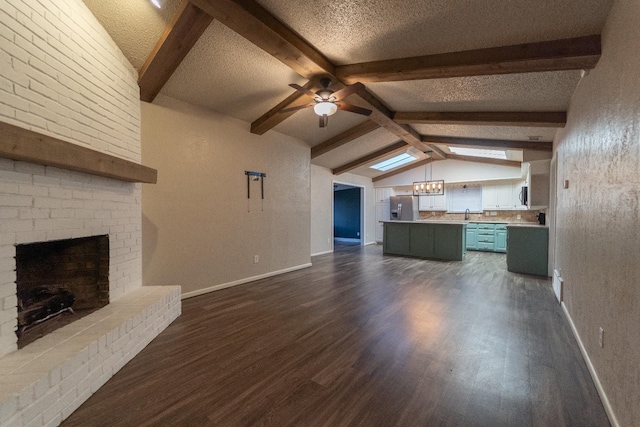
(435,73)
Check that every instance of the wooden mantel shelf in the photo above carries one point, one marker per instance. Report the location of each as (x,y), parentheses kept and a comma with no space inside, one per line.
(25,145)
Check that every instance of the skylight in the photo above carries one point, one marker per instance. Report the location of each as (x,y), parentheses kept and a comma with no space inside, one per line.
(394,162)
(479,152)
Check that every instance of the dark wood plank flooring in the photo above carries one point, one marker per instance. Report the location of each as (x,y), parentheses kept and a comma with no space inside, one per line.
(361,339)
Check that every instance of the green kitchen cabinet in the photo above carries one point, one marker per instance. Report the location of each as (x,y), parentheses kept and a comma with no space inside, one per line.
(501,238)
(487,236)
(443,241)
(472,236)
(396,238)
(528,249)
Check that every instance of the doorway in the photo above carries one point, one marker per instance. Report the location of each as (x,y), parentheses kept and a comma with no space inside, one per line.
(348,215)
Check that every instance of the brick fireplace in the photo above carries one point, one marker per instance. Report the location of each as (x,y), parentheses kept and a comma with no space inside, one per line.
(64,81)
(59,282)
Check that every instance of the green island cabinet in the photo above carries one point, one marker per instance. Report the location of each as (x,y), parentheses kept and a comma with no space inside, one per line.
(528,249)
(442,241)
(487,236)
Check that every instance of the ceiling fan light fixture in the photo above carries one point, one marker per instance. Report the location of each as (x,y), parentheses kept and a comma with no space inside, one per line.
(325,108)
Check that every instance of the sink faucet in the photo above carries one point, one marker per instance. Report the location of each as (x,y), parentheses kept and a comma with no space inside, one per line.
(466,214)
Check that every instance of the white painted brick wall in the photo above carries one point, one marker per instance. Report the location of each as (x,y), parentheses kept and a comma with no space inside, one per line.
(62,75)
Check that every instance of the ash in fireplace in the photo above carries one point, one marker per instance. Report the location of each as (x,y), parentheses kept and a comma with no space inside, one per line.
(41,303)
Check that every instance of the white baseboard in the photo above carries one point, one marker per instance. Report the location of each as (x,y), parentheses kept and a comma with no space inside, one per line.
(323,253)
(242,281)
(346,240)
(371,243)
(603,396)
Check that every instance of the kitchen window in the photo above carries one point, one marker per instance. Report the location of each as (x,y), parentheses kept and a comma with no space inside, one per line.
(463,197)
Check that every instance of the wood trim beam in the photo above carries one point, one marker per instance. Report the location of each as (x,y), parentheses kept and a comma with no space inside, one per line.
(489,143)
(184,30)
(553,119)
(256,24)
(343,138)
(21,144)
(485,160)
(437,153)
(403,169)
(382,115)
(376,155)
(556,55)
(273,118)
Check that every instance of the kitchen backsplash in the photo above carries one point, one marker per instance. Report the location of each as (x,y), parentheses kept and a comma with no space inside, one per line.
(501,216)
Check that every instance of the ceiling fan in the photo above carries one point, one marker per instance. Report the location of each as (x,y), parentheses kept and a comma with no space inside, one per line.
(326,102)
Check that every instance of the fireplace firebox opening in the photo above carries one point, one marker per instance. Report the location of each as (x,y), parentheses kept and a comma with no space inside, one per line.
(59,282)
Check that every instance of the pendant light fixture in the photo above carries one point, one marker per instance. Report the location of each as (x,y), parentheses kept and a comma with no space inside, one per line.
(428,187)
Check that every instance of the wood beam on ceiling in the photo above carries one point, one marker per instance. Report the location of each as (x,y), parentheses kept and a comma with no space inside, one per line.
(382,115)
(437,153)
(376,155)
(184,30)
(256,24)
(251,21)
(577,53)
(553,119)
(499,162)
(488,143)
(344,138)
(403,169)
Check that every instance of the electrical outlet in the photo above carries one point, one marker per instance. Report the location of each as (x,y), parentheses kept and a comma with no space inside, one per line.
(518,216)
(566,183)
(494,213)
(433,214)
(601,337)
(256,259)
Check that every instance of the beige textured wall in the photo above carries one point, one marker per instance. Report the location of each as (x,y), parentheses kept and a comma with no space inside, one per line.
(322,207)
(598,216)
(197,230)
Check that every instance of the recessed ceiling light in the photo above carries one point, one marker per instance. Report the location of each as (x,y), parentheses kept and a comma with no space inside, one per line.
(156,3)
(394,162)
(479,152)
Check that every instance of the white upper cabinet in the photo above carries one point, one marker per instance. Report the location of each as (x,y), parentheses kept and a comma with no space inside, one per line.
(503,196)
(432,203)
(383,194)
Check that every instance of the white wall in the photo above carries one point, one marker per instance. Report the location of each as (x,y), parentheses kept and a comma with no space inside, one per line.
(322,207)
(199,229)
(453,171)
(61,75)
(598,217)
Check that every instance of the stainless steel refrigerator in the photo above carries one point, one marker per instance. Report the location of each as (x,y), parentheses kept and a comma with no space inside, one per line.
(404,208)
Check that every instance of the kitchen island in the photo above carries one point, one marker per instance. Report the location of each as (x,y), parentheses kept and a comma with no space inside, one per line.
(528,249)
(441,240)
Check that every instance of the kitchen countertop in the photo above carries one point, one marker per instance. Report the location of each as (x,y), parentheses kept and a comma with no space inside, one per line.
(456,222)
(450,222)
(527,224)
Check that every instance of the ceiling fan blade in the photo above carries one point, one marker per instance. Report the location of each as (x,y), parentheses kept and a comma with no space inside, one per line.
(324,120)
(303,90)
(346,91)
(352,108)
(300,107)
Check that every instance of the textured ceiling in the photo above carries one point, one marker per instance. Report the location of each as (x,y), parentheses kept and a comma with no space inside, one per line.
(228,74)
(373,141)
(351,31)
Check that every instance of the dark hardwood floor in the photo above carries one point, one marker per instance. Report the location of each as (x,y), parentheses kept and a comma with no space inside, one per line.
(361,339)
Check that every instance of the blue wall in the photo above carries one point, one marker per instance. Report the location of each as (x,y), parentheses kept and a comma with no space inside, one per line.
(346,213)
